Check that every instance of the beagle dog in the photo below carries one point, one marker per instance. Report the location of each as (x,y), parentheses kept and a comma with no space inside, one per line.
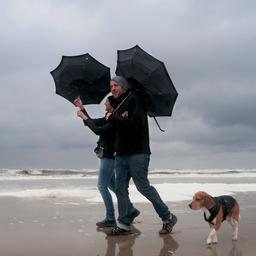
(216,210)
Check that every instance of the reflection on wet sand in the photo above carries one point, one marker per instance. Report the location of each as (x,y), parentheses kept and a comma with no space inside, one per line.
(169,245)
(124,244)
(235,251)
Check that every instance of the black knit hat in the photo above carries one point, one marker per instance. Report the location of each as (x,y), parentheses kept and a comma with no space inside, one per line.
(122,82)
(113,102)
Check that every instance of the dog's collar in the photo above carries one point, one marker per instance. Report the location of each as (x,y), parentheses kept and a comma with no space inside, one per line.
(213,211)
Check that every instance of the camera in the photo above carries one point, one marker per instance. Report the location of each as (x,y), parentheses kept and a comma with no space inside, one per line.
(99,151)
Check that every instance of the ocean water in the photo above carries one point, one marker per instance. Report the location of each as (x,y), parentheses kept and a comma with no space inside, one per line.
(173,185)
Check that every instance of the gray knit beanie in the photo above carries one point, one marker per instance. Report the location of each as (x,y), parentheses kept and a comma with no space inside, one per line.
(122,82)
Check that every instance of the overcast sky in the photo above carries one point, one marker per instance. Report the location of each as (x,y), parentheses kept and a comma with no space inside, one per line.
(208,48)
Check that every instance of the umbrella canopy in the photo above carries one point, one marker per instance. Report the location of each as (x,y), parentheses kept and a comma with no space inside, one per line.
(83,76)
(151,76)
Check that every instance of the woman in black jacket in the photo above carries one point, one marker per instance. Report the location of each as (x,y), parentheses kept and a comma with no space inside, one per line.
(105,151)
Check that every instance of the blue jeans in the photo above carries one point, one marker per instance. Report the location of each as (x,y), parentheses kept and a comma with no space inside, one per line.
(136,167)
(106,181)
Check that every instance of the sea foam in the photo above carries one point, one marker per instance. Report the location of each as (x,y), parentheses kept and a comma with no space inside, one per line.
(171,192)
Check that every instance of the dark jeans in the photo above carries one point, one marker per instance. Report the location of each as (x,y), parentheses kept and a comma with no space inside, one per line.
(136,167)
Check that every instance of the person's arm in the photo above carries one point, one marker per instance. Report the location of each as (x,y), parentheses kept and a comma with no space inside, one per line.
(96,121)
(82,113)
(98,130)
(79,103)
(99,126)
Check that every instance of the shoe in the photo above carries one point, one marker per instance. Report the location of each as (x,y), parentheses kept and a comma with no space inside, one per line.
(168,226)
(106,223)
(116,231)
(134,214)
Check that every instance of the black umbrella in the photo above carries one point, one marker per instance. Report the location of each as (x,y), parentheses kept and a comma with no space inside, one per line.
(83,76)
(150,74)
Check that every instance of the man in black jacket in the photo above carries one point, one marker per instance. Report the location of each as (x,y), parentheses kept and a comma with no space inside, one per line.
(133,155)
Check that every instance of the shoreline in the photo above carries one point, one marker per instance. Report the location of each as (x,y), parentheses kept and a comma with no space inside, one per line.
(54,226)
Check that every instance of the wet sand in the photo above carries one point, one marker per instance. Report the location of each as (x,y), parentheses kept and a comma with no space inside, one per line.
(67,227)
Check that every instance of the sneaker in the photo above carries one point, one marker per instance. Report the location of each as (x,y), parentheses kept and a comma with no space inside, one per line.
(168,226)
(106,223)
(134,214)
(116,231)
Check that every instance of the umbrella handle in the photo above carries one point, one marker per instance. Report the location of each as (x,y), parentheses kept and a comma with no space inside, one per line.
(158,125)
(121,103)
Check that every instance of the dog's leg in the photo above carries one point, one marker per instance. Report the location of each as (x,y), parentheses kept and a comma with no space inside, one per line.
(234,224)
(212,238)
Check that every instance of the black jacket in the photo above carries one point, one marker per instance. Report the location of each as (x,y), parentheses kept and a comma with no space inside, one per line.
(131,126)
(104,129)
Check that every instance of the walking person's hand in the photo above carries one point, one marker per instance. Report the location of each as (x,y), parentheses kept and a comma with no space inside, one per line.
(82,115)
(78,103)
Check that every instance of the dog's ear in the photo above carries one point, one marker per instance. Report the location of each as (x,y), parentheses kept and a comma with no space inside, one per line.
(208,201)
(201,194)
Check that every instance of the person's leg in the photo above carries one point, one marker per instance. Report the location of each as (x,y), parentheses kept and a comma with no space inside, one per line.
(132,211)
(122,184)
(112,182)
(138,165)
(106,174)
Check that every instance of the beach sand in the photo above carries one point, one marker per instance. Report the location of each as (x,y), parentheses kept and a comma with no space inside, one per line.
(54,226)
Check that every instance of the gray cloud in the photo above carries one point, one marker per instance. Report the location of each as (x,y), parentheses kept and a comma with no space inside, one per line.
(207,47)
